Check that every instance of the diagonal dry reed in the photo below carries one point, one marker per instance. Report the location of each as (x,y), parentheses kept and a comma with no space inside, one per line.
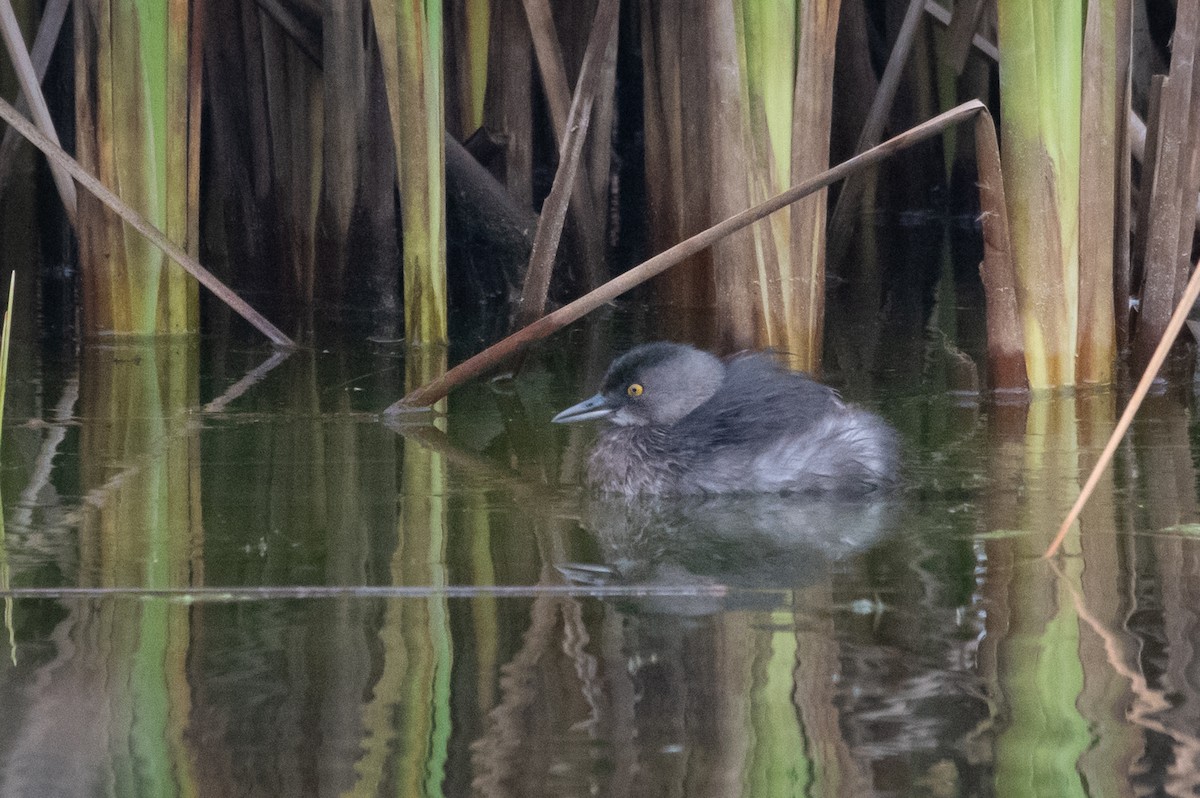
(495,354)
(138,222)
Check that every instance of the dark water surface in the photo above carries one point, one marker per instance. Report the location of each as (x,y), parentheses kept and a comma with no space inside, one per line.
(474,626)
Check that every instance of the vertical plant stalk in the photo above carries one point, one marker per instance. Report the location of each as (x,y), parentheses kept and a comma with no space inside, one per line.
(599,154)
(472,51)
(1005,344)
(737,256)
(1163,255)
(180,305)
(1189,184)
(1123,215)
(554,209)
(1101,121)
(767,51)
(1149,159)
(804,292)
(410,41)
(508,106)
(552,69)
(964,23)
(1040,91)
(344,82)
(550,64)
(132,107)
(677,199)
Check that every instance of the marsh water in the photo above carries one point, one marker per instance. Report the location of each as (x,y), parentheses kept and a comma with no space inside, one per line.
(227,574)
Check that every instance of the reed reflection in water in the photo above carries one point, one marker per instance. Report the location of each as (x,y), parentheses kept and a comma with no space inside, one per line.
(747,646)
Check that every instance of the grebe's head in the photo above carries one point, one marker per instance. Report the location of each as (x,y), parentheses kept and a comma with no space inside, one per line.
(657,383)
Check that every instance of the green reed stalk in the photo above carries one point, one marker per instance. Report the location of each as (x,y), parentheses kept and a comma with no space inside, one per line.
(1041,48)
(410,41)
(473,70)
(774,131)
(767,44)
(135,125)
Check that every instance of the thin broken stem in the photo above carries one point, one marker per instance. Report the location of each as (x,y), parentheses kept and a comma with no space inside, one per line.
(31,87)
(43,47)
(841,224)
(982,44)
(1135,401)
(963,25)
(248,381)
(566,179)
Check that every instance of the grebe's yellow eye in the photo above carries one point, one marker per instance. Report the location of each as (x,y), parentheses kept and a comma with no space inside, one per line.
(634,390)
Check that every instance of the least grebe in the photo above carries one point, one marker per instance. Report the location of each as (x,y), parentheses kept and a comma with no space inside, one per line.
(682,421)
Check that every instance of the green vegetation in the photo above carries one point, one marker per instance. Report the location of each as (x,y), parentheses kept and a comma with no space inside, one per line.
(306,162)
(1040,94)
(410,43)
(138,130)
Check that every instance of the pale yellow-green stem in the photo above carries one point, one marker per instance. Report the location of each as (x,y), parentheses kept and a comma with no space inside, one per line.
(472,75)
(1040,94)
(767,49)
(773,131)
(410,40)
(135,130)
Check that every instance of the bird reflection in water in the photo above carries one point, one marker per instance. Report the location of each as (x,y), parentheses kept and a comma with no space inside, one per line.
(755,545)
